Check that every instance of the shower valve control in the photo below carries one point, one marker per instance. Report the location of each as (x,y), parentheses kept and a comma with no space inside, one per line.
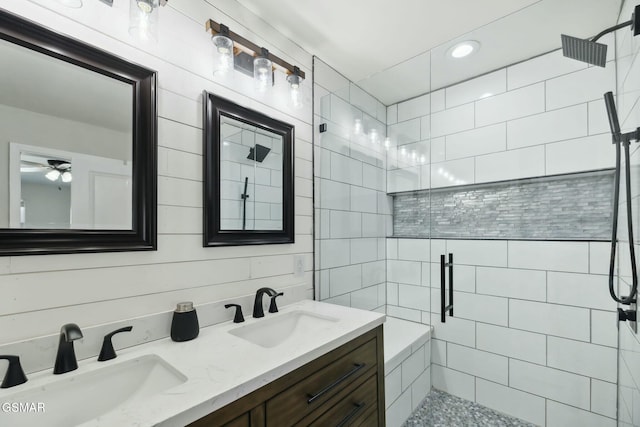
(624,315)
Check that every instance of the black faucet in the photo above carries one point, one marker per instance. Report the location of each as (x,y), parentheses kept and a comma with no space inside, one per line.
(238,318)
(107,352)
(66,357)
(273,308)
(258,311)
(15,375)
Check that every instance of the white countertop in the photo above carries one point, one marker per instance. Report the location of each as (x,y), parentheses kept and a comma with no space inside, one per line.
(220,367)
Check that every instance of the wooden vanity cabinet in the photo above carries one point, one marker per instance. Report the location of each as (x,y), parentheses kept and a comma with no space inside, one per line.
(344,387)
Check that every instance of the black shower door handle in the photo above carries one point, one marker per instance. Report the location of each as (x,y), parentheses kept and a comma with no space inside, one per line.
(443,307)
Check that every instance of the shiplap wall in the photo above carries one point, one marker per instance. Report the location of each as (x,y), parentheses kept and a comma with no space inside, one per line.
(40,293)
(628,104)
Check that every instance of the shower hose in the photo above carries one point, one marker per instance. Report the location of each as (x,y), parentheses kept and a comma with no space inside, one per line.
(617,140)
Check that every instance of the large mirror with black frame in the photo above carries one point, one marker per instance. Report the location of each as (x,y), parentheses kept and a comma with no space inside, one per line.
(78,134)
(248,176)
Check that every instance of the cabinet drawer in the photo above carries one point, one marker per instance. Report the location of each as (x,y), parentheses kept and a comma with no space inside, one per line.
(243,420)
(368,420)
(353,409)
(291,405)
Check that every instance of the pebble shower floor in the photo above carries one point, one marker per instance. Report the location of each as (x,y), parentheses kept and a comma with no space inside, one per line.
(441,409)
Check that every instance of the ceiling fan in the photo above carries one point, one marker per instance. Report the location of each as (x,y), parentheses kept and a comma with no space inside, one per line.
(54,169)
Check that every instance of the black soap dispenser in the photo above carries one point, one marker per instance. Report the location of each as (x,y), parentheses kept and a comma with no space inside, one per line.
(184,326)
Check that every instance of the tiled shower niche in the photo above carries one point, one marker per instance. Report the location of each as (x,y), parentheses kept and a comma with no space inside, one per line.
(566,207)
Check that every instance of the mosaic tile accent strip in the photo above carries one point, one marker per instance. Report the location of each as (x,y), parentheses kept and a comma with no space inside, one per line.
(441,409)
(568,207)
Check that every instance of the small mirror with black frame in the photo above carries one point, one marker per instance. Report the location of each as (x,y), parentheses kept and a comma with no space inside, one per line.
(78,138)
(248,176)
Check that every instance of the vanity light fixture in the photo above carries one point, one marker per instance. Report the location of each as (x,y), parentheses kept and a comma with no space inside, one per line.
(223,54)
(263,70)
(254,61)
(463,49)
(143,18)
(295,80)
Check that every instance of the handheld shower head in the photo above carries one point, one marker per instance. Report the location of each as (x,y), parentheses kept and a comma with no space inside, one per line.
(614,124)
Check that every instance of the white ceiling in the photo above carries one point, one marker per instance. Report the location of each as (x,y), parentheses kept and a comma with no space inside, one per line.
(384,45)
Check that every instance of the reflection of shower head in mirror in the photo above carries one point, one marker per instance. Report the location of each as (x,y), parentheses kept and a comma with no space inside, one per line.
(258,153)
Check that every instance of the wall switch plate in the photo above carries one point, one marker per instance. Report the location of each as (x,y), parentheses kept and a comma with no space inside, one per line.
(298,265)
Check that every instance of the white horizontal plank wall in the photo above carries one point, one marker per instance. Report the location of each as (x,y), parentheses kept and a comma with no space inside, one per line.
(628,104)
(40,293)
(352,207)
(534,331)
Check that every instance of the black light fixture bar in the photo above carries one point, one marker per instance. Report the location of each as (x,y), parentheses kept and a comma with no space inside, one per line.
(241,44)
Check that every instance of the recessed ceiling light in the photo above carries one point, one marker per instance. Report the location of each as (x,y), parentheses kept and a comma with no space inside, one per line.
(463,49)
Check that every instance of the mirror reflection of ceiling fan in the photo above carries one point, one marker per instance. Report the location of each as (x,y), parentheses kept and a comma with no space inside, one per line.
(53,169)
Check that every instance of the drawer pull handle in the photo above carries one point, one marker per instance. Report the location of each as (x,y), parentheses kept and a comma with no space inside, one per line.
(356,368)
(350,415)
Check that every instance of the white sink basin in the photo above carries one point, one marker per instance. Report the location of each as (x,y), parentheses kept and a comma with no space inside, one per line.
(272,331)
(75,398)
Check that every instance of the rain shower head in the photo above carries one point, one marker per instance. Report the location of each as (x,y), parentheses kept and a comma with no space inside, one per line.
(584,50)
(258,153)
(587,50)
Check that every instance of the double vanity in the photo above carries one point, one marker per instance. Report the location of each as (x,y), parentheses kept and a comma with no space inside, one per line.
(311,363)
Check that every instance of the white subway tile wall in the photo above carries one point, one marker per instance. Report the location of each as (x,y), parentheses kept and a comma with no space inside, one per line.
(533,324)
(525,406)
(628,104)
(533,308)
(544,116)
(351,182)
(524,310)
(478,88)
